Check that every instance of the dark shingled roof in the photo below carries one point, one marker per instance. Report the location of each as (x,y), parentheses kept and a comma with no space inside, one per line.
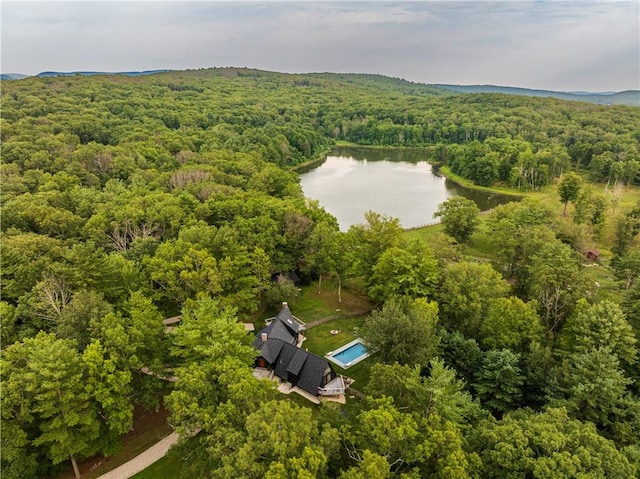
(286,358)
(282,363)
(270,350)
(297,361)
(312,373)
(276,330)
(287,318)
(288,361)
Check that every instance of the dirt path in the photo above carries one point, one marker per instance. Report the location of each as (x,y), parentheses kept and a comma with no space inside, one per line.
(142,460)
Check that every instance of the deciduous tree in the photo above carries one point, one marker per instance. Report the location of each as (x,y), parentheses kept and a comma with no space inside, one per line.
(459,217)
(46,394)
(546,445)
(439,392)
(403,331)
(371,239)
(557,281)
(408,270)
(569,189)
(511,323)
(466,292)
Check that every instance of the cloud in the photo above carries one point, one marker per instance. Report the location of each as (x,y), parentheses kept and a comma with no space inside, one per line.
(574,45)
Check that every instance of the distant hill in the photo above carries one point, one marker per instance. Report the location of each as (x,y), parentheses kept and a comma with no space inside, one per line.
(12,76)
(628,97)
(84,73)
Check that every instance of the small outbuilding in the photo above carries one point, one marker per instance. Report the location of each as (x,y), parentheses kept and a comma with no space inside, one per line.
(592,254)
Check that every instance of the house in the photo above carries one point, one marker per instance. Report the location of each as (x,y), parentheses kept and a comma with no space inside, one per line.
(279,346)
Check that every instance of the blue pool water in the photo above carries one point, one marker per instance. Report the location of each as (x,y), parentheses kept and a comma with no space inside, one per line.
(351,353)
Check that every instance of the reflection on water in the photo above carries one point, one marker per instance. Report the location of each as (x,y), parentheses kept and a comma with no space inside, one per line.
(394,182)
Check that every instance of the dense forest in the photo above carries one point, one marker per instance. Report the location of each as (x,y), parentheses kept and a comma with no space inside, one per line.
(126,200)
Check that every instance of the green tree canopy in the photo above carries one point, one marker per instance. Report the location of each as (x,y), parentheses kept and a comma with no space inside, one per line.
(511,323)
(466,292)
(438,393)
(498,383)
(597,326)
(413,446)
(407,270)
(403,331)
(591,386)
(459,217)
(371,239)
(569,188)
(547,445)
(46,398)
(557,281)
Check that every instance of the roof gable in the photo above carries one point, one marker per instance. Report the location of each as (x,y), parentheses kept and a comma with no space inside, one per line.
(297,362)
(312,373)
(276,330)
(286,317)
(271,349)
(284,358)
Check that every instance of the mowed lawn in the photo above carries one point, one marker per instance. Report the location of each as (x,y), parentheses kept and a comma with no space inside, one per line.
(320,341)
(313,304)
(167,467)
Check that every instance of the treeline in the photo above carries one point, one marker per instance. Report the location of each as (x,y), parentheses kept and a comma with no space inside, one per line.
(129,199)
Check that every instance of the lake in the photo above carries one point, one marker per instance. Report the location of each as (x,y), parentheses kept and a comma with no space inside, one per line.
(393,182)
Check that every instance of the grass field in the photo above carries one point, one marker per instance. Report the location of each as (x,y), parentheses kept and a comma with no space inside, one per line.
(320,341)
(167,467)
(311,306)
(600,274)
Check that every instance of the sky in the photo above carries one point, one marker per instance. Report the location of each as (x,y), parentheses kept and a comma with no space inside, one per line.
(577,45)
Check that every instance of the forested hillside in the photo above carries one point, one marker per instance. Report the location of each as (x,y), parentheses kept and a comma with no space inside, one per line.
(126,200)
(628,97)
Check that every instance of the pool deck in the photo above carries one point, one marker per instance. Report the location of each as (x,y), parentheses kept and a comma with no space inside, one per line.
(330,355)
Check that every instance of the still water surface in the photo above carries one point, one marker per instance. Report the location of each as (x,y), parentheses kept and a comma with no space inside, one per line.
(398,183)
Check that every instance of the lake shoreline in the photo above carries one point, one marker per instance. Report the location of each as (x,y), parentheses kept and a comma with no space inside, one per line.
(465,183)
(397,182)
(442,170)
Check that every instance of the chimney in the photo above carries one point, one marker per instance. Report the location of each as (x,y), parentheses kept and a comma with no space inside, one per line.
(264,337)
(285,305)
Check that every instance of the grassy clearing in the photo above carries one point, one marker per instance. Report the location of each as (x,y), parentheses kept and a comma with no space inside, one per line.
(429,234)
(312,306)
(320,341)
(600,275)
(479,247)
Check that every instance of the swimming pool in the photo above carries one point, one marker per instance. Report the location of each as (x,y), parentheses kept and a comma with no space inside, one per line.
(349,354)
